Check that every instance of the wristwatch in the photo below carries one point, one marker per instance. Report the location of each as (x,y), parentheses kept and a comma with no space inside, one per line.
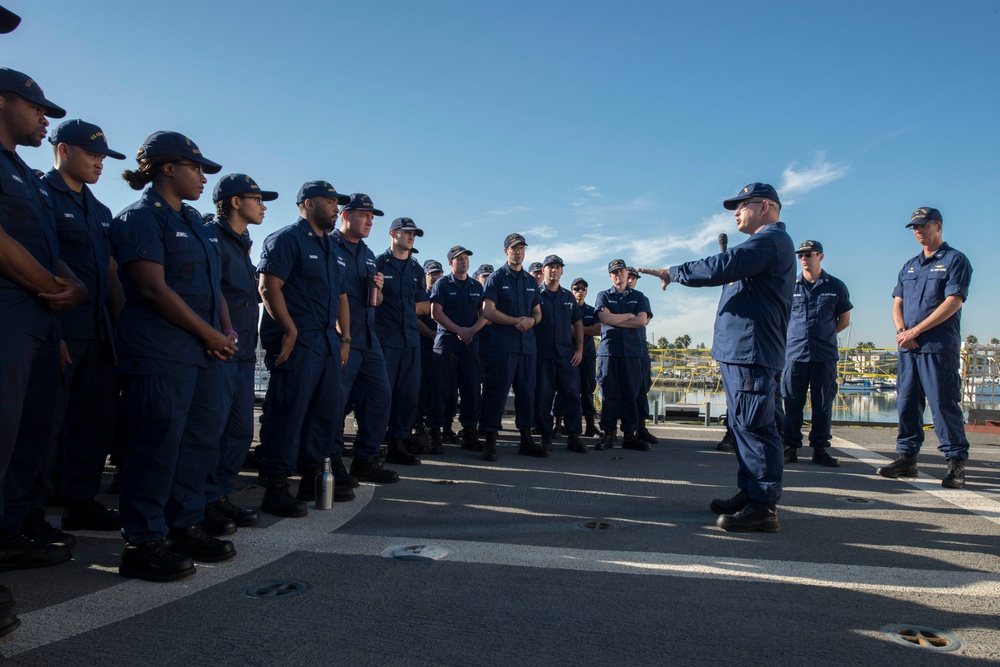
(345,340)
(900,330)
(235,335)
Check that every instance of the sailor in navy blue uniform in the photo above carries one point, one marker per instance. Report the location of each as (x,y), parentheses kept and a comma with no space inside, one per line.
(239,203)
(455,306)
(535,269)
(364,381)
(174,334)
(927,312)
(428,330)
(588,367)
(821,308)
(559,339)
(511,303)
(483,339)
(758,276)
(302,284)
(642,400)
(403,299)
(623,313)
(87,391)
(34,286)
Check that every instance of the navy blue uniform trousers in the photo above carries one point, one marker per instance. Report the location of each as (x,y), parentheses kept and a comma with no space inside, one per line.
(173,442)
(557,373)
(750,399)
(621,381)
(402,367)
(364,384)
(932,378)
(454,369)
(29,368)
(820,379)
(300,411)
(508,369)
(588,383)
(236,408)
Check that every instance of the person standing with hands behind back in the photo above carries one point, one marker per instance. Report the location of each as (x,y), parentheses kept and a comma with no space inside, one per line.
(174,332)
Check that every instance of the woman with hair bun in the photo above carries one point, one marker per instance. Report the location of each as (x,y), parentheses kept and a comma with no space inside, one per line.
(174,333)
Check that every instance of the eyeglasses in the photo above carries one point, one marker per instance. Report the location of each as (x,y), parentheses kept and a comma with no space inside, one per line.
(259,200)
(194,165)
(747,203)
(579,289)
(807,254)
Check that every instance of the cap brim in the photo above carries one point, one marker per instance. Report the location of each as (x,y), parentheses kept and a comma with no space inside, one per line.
(733,202)
(267,195)
(51,110)
(375,211)
(207,165)
(115,155)
(920,221)
(8,20)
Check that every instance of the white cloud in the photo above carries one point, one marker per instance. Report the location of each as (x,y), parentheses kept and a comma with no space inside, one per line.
(508,211)
(590,190)
(795,183)
(543,232)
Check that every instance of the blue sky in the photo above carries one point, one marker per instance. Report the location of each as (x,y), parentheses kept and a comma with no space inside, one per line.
(598,131)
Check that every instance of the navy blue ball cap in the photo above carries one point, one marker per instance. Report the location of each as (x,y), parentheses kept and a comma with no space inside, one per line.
(513,239)
(234,185)
(577,281)
(483,270)
(312,189)
(175,144)
(616,264)
(406,225)
(12,81)
(86,135)
(534,266)
(457,250)
(923,215)
(752,191)
(632,272)
(432,265)
(362,202)
(552,259)
(809,246)
(8,20)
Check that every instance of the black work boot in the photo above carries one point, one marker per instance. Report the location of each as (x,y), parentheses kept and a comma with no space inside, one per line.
(490,447)
(278,499)
(437,444)
(413,445)
(631,441)
(607,441)
(904,466)
(17,552)
(216,523)
(89,514)
(195,543)
(791,454)
(38,529)
(732,505)
(754,518)
(823,458)
(470,440)
(726,444)
(397,454)
(528,446)
(644,435)
(340,475)
(243,517)
(371,470)
(592,430)
(151,561)
(955,477)
(574,444)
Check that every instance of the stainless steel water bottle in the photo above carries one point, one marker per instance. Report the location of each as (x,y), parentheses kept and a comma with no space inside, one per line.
(324,487)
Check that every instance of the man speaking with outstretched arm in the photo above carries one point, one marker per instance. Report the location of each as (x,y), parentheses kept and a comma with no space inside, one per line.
(758,277)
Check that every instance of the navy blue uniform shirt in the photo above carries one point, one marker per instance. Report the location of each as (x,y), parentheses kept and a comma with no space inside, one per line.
(812,328)
(82,225)
(460,300)
(619,341)
(149,230)
(758,277)
(358,264)
(589,319)
(313,274)
(26,215)
(239,286)
(402,289)
(515,293)
(923,284)
(554,334)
